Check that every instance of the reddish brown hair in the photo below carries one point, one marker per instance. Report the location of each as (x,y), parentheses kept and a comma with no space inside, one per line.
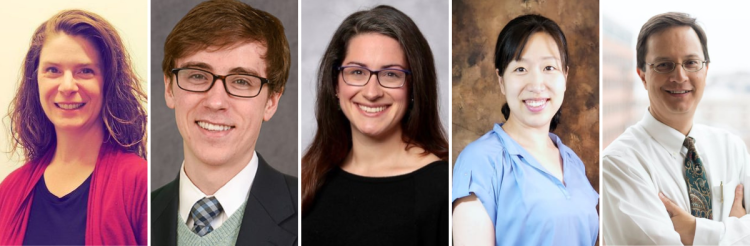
(223,23)
(122,112)
(421,123)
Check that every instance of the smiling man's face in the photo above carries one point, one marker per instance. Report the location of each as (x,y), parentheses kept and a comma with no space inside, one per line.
(218,128)
(676,94)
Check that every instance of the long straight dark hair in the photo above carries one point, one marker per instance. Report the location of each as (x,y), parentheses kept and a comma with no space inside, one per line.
(421,123)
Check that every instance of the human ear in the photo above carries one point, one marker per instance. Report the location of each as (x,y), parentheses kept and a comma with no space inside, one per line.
(500,81)
(271,105)
(168,93)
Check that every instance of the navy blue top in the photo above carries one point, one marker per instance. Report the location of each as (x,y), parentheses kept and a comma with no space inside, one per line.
(58,220)
(527,204)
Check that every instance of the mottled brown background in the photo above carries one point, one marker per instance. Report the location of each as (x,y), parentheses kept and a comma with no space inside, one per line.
(476,93)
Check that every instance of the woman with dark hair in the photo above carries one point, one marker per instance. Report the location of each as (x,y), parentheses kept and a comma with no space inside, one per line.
(518,184)
(375,173)
(79,119)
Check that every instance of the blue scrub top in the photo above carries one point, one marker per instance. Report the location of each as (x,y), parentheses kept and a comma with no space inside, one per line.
(527,204)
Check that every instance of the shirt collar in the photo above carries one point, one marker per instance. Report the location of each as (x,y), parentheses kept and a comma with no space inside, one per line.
(227,195)
(668,137)
(509,144)
(513,147)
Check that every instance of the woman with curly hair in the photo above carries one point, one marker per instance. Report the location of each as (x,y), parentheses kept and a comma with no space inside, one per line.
(78,117)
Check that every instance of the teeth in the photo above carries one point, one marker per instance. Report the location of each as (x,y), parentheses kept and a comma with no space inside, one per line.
(678,92)
(212,127)
(371,109)
(536,103)
(70,105)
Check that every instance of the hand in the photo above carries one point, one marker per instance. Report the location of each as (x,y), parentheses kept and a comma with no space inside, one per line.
(684,222)
(738,208)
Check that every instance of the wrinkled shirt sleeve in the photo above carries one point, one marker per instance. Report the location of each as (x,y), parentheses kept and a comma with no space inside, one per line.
(475,173)
(632,213)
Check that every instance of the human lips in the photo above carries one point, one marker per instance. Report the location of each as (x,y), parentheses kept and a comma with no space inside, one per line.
(69,106)
(372,110)
(216,127)
(536,104)
(369,109)
(678,91)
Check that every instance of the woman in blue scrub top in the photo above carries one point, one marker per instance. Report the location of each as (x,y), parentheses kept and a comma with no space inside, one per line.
(518,184)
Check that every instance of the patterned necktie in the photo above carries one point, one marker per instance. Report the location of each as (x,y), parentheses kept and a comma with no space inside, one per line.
(203,212)
(695,177)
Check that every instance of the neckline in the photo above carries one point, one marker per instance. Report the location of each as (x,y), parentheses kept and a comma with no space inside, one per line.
(338,170)
(517,149)
(83,188)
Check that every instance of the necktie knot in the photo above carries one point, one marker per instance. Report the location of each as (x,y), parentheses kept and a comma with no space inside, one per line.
(689,142)
(203,212)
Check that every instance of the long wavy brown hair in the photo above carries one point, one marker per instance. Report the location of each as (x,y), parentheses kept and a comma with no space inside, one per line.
(123,113)
(421,123)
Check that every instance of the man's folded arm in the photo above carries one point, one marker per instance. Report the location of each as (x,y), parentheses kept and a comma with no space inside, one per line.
(731,231)
(632,212)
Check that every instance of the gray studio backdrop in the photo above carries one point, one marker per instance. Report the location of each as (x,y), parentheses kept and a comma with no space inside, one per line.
(321,18)
(278,137)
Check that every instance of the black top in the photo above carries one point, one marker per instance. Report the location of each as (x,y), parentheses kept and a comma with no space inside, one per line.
(58,220)
(409,209)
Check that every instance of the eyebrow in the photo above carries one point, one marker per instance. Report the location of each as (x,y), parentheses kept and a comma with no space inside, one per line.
(242,70)
(663,58)
(206,66)
(201,65)
(543,58)
(384,66)
(87,64)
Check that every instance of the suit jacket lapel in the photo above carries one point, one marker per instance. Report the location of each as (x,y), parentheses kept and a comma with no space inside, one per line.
(268,205)
(164,205)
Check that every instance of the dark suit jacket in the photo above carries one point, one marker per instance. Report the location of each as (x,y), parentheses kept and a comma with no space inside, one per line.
(270,214)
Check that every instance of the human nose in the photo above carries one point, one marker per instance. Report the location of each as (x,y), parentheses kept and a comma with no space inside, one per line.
(68,85)
(680,74)
(536,82)
(372,90)
(217,97)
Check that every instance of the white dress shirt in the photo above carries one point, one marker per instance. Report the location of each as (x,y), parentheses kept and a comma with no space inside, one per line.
(648,158)
(230,196)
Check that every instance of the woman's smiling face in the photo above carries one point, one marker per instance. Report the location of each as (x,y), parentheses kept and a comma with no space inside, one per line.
(534,85)
(70,79)
(372,109)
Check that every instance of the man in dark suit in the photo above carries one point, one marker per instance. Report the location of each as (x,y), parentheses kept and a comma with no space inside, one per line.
(225,67)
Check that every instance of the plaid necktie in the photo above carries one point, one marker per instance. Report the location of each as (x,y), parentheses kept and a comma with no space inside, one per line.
(695,177)
(203,212)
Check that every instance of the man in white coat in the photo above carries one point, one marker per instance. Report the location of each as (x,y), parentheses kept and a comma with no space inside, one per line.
(668,181)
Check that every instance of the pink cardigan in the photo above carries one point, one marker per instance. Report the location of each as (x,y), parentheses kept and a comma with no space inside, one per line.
(117,208)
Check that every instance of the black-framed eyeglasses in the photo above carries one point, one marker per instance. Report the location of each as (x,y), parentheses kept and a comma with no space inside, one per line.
(239,85)
(388,78)
(693,65)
